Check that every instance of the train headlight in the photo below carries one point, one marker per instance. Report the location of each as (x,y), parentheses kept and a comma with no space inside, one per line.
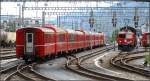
(120,41)
(130,41)
(125,40)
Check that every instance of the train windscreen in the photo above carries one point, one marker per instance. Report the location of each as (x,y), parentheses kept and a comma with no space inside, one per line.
(121,35)
(129,35)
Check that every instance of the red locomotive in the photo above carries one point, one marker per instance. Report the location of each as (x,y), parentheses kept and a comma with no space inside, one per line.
(126,39)
(36,43)
(145,39)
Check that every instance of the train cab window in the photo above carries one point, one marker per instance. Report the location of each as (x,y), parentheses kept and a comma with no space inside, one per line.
(129,35)
(30,38)
(122,36)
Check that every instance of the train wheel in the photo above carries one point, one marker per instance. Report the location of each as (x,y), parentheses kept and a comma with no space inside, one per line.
(49,56)
(46,58)
(52,56)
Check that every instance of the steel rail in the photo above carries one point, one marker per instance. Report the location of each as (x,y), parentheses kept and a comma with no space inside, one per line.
(5,57)
(99,73)
(34,77)
(68,66)
(120,59)
(134,68)
(11,67)
(91,73)
(8,78)
(7,52)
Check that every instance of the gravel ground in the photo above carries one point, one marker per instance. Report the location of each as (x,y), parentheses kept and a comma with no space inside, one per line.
(118,72)
(56,69)
(139,63)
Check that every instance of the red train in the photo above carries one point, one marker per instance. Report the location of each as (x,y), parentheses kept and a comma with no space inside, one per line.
(126,39)
(145,39)
(34,43)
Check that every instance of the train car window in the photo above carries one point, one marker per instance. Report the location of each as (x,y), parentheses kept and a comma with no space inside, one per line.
(88,37)
(48,38)
(71,37)
(148,37)
(122,36)
(51,38)
(61,37)
(29,38)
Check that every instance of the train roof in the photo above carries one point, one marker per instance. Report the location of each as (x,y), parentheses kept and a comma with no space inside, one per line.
(124,32)
(54,28)
(73,31)
(83,31)
(127,28)
(45,29)
(70,31)
(146,33)
(40,28)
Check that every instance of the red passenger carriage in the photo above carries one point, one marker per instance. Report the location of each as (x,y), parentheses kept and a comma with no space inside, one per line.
(34,43)
(145,40)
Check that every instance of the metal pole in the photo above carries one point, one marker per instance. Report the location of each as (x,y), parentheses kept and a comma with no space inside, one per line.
(43,18)
(114,21)
(149,32)
(59,20)
(23,14)
(19,11)
(91,38)
(91,22)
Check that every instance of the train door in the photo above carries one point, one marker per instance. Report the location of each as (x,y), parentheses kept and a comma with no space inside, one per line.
(29,43)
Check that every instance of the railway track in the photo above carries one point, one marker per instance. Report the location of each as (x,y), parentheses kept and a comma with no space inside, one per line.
(10,65)
(27,73)
(6,49)
(76,66)
(6,71)
(121,61)
(9,54)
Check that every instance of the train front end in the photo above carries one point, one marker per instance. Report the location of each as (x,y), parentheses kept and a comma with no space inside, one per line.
(27,40)
(126,41)
(145,40)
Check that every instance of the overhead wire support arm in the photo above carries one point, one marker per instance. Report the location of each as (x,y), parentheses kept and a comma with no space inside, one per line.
(79,8)
(70,0)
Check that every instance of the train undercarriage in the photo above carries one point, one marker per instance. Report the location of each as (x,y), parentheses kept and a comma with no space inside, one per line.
(126,47)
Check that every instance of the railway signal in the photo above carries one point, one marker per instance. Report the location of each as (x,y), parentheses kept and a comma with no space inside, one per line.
(114,22)
(91,22)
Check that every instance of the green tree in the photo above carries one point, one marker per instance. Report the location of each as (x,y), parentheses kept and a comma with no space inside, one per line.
(114,35)
(147,59)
